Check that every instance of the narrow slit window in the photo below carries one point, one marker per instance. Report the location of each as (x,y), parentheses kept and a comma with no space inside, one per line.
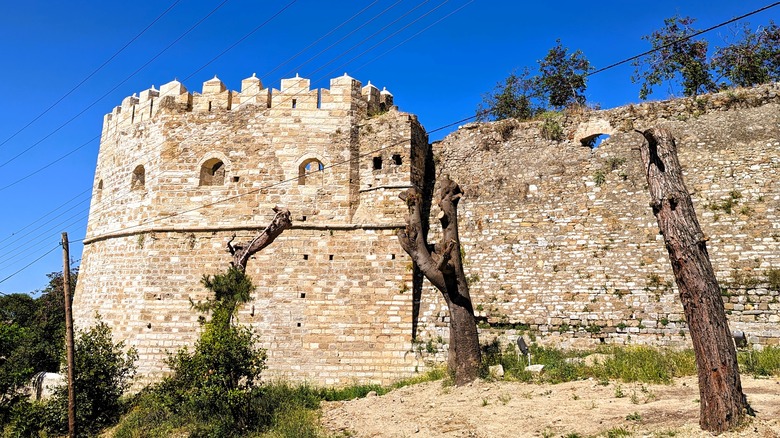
(138,180)
(294,103)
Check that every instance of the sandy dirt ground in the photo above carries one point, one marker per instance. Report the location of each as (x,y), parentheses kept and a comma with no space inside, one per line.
(512,409)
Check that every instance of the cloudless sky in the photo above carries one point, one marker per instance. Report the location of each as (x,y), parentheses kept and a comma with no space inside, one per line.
(437,57)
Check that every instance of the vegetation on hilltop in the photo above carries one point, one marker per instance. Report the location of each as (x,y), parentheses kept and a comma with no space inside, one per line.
(678,58)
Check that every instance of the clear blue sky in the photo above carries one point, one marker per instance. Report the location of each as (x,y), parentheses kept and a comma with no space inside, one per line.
(48,47)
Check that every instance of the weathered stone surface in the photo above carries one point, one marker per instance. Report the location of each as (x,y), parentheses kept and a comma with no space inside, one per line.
(334,293)
(558,239)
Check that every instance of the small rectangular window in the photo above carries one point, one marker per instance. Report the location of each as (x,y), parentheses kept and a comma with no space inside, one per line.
(303,294)
(330,257)
(306,257)
(377,163)
(236,178)
(294,103)
(397,160)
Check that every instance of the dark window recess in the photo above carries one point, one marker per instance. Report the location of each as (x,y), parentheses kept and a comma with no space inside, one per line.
(330,257)
(303,294)
(149,325)
(212,173)
(295,103)
(306,257)
(377,163)
(236,178)
(303,218)
(138,179)
(392,256)
(397,160)
(299,324)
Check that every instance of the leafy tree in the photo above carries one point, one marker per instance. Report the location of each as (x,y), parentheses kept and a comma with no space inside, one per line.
(561,82)
(215,382)
(103,373)
(32,333)
(753,59)
(563,77)
(676,56)
(510,99)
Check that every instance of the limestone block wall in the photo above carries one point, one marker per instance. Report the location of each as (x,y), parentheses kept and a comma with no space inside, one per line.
(179,174)
(559,238)
(331,306)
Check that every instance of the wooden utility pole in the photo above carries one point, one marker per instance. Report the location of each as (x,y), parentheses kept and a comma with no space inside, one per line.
(69,336)
(723,405)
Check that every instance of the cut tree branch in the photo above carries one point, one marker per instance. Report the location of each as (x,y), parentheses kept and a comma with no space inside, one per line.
(241,252)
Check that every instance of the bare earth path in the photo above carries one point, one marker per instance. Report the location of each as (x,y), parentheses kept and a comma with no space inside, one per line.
(512,409)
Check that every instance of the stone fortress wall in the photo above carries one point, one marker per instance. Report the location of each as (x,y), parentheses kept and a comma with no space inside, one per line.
(179,173)
(559,239)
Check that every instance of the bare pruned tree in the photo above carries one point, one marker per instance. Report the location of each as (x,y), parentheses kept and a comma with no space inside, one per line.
(443,267)
(723,405)
(241,252)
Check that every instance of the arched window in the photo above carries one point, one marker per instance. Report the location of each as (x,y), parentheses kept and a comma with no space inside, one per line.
(138,179)
(99,193)
(310,172)
(212,173)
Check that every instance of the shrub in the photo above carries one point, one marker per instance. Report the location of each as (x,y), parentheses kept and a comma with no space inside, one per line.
(773,279)
(760,363)
(103,374)
(551,127)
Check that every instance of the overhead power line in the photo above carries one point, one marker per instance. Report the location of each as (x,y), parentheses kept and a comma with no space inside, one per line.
(243,38)
(467,118)
(677,41)
(13,158)
(93,73)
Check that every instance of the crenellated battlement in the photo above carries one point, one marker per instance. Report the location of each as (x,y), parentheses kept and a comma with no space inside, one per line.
(345,93)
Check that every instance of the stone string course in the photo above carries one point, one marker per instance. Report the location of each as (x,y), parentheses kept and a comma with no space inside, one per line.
(558,238)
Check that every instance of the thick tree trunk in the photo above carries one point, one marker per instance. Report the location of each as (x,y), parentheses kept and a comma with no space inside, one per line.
(723,405)
(443,267)
(241,252)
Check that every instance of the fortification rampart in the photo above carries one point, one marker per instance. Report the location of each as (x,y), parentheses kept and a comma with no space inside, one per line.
(559,238)
(179,174)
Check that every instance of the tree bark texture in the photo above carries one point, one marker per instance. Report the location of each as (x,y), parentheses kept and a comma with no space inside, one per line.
(241,252)
(723,405)
(443,267)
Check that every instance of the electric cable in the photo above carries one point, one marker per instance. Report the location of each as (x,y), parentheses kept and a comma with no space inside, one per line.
(467,118)
(122,82)
(93,73)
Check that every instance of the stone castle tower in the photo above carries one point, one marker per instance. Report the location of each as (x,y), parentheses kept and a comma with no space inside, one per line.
(179,173)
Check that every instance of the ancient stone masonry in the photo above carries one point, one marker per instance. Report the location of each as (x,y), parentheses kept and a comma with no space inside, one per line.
(179,173)
(560,241)
(558,238)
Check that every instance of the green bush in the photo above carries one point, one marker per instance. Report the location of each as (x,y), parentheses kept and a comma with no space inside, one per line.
(644,364)
(103,374)
(760,363)
(551,126)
